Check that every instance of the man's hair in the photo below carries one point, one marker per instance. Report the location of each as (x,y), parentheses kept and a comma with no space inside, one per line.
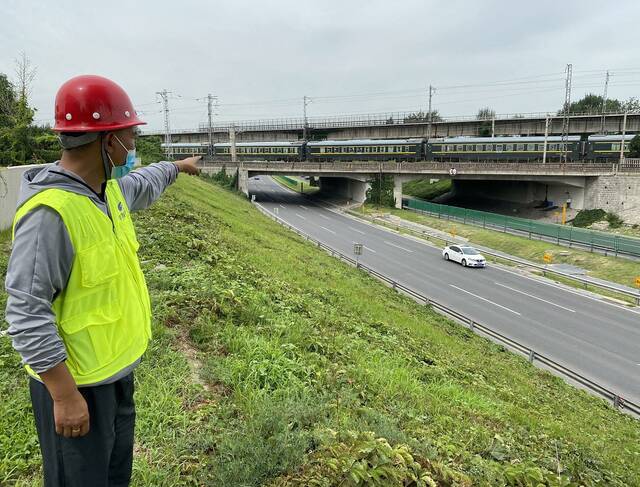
(75,140)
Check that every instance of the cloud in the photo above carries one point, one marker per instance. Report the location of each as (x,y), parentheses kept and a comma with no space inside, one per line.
(260,58)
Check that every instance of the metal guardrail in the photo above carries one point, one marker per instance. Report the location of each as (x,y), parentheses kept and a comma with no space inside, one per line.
(585,282)
(415,117)
(616,399)
(585,238)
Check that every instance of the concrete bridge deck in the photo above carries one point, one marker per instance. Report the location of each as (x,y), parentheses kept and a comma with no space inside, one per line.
(612,187)
(389,126)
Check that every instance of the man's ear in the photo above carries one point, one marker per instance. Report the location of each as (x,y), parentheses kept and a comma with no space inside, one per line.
(109,141)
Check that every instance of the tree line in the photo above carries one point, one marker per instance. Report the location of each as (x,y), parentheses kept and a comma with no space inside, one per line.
(22,141)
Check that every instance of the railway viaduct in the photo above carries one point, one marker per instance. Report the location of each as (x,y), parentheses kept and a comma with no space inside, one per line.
(402,125)
(612,187)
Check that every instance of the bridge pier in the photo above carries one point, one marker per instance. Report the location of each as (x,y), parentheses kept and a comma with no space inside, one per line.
(243,181)
(398,181)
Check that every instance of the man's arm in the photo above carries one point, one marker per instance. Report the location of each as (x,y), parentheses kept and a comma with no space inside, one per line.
(38,271)
(143,186)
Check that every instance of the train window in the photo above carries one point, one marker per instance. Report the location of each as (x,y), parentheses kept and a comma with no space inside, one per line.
(531,147)
(508,147)
(520,147)
(459,148)
(615,146)
(499,147)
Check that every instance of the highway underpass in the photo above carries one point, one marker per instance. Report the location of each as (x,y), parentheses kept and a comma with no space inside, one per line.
(594,337)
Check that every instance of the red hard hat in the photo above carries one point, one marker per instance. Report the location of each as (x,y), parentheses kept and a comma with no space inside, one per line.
(92,103)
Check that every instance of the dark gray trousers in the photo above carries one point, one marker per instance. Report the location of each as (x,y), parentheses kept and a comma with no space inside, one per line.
(101,458)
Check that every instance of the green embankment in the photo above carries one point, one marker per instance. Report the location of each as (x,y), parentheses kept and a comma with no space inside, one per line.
(423,189)
(615,269)
(294,184)
(271,362)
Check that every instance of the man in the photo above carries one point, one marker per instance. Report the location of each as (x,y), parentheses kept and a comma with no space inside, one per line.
(78,307)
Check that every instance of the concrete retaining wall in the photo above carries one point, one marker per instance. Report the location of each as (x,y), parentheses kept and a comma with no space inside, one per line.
(10,178)
(617,194)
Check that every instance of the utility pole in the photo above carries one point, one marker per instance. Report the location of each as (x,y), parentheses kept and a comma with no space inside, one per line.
(604,102)
(546,136)
(232,140)
(624,131)
(305,127)
(493,125)
(567,109)
(164,94)
(432,90)
(210,100)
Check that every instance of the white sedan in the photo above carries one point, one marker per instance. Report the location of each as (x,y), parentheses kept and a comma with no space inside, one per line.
(465,255)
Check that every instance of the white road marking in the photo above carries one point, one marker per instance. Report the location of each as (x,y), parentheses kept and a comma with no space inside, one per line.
(397,246)
(541,280)
(324,216)
(356,230)
(485,299)
(303,207)
(300,216)
(282,206)
(536,297)
(369,249)
(328,230)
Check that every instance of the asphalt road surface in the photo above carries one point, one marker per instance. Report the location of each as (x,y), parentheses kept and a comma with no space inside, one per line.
(598,339)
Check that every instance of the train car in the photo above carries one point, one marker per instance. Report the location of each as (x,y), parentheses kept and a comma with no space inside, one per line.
(516,148)
(270,151)
(186,149)
(366,150)
(601,147)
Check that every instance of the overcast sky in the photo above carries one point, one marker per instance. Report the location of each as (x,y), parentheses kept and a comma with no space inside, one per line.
(350,56)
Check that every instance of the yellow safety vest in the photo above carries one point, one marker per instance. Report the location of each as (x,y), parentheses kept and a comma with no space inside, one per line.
(104,313)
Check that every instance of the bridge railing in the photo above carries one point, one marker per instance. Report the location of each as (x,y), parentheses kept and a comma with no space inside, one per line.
(618,401)
(369,120)
(487,167)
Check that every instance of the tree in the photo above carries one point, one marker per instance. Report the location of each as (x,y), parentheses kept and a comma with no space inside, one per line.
(632,105)
(149,149)
(486,113)
(592,104)
(381,191)
(634,147)
(21,142)
(423,117)
(7,102)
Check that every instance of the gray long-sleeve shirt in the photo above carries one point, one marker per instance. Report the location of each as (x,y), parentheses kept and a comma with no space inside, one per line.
(42,255)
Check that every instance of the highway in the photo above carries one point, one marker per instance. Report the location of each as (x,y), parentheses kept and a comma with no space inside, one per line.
(596,338)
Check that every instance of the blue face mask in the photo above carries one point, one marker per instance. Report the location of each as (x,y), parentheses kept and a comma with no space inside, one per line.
(120,171)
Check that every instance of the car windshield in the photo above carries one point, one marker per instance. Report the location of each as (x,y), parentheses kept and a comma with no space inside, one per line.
(469,251)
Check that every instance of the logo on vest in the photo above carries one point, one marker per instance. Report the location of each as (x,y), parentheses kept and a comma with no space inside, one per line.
(123,214)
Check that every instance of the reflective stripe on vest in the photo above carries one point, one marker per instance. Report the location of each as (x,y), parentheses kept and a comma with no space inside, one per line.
(104,314)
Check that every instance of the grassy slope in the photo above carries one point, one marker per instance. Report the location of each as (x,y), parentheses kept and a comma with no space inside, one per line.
(422,188)
(268,355)
(623,271)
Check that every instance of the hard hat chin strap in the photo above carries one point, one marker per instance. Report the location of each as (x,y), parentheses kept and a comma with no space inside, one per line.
(106,160)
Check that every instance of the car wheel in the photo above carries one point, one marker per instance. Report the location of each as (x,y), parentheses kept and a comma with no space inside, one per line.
(446,256)
(464,262)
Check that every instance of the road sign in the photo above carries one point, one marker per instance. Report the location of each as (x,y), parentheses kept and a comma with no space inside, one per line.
(638,281)
(548,258)
(453,231)
(357,248)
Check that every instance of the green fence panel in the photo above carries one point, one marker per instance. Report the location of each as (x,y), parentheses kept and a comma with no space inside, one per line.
(590,238)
